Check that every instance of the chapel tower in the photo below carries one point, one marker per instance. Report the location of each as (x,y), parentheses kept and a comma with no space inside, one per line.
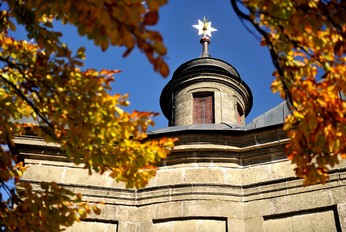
(206,90)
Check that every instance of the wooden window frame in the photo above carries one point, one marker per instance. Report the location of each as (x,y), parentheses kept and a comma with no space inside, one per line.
(203,108)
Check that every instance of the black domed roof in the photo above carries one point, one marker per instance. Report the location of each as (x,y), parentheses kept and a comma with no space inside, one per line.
(206,64)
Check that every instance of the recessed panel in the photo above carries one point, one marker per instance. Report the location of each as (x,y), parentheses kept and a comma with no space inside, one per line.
(191,225)
(93,226)
(308,222)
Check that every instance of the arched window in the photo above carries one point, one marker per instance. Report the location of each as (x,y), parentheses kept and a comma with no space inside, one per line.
(203,108)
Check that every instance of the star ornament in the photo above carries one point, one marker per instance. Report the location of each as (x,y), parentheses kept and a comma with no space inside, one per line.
(204,28)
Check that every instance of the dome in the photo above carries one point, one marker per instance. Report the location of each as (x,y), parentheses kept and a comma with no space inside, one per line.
(206,65)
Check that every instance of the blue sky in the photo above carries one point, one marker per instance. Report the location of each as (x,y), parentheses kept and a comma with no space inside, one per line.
(231,43)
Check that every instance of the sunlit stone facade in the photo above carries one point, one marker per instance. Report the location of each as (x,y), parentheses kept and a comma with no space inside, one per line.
(221,176)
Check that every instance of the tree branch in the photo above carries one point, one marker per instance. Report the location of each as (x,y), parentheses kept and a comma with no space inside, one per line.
(275,58)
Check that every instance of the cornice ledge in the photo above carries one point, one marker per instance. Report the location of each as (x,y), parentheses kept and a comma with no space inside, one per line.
(226,148)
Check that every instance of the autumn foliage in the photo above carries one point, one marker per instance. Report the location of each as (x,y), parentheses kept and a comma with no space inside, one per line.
(306,39)
(44,81)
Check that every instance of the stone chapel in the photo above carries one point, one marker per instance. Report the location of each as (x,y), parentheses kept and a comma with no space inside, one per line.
(222,176)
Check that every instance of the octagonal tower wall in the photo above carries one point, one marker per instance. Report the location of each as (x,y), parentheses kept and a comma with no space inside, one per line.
(231,97)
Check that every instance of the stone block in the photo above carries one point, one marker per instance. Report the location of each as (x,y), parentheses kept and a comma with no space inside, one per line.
(81,176)
(235,225)
(233,176)
(184,225)
(323,221)
(205,225)
(338,195)
(319,221)
(127,227)
(301,223)
(44,173)
(118,213)
(204,175)
(283,169)
(256,174)
(254,224)
(341,208)
(168,210)
(190,225)
(162,227)
(144,214)
(108,212)
(145,226)
(275,225)
(302,201)
(212,208)
(314,222)
(284,204)
(259,208)
(169,177)
(92,226)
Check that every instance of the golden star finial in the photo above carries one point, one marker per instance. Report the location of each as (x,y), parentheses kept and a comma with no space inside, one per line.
(204,27)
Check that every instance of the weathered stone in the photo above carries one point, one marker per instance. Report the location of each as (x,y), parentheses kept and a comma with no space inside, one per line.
(319,222)
(184,225)
(205,225)
(93,226)
(257,174)
(204,175)
(254,224)
(169,177)
(235,225)
(233,176)
(302,201)
(168,210)
(341,210)
(275,225)
(128,226)
(260,207)
(246,187)
(283,169)
(163,227)
(43,172)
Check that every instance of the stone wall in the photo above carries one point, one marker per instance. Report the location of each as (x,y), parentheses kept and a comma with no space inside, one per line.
(225,98)
(207,184)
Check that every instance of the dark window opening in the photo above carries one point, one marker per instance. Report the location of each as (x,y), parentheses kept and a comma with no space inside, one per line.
(203,108)
(240,114)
